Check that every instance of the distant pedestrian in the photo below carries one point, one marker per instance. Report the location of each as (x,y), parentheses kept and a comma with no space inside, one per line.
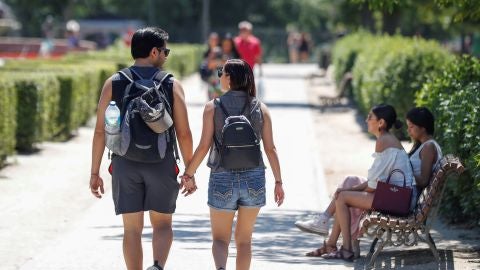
(149,185)
(237,177)
(212,59)
(229,49)
(249,46)
(304,48)
(293,43)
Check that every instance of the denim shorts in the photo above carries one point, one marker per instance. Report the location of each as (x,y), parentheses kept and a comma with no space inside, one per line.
(230,190)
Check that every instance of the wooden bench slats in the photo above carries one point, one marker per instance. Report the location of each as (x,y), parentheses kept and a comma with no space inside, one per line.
(405,230)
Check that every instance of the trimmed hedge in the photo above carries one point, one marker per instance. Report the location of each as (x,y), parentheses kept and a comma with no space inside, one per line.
(38,95)
(345,52)
(393,69)
(55,97)
(454,98)
(8,119)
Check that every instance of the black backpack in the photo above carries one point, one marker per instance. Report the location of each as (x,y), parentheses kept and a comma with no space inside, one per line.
(239,146)
(138,141)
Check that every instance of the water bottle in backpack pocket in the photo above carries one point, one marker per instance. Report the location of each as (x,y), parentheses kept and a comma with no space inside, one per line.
(112,128)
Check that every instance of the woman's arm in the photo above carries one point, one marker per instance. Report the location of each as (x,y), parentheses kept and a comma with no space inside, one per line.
(428,156)
(205,140)
(269,145)
(271,152)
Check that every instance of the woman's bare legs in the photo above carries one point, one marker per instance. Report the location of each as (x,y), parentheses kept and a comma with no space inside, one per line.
(243,236)
(346,199)
(221,223)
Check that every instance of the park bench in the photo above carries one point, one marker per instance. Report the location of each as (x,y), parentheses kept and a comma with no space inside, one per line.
(408,231)
(342,91)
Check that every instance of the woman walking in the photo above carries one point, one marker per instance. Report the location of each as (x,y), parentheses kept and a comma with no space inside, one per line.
(240,189)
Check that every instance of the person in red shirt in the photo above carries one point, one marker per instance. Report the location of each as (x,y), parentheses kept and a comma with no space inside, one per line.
(248,46)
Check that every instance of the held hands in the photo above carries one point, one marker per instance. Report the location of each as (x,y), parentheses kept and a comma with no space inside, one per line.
(96,185)
(279,194)
(188,184)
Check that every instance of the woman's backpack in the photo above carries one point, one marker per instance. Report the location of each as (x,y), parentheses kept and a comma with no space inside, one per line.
(239,146)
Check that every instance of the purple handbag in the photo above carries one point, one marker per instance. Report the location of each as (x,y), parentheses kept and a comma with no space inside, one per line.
(392,199)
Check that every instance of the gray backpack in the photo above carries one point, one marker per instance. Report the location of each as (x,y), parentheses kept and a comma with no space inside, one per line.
(146,123)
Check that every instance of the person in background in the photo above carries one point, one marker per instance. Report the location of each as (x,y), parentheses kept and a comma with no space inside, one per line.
(229,49)
(212,59)
(249,46)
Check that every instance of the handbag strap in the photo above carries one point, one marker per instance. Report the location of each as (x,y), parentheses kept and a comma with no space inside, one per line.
(397,171)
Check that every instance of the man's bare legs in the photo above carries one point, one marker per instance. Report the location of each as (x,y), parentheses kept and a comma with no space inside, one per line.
(132,240)
(162,236)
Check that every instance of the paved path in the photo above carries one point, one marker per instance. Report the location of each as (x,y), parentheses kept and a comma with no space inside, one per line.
(51,221)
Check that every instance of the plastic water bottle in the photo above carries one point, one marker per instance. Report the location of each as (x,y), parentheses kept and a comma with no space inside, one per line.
(112,127)
(112,118)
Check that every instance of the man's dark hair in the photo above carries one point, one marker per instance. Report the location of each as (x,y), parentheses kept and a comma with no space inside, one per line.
(145,39)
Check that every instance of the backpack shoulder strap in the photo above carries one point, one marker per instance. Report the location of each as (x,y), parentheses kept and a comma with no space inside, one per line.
(224,110)
(127,73)
(161,76)
(136,73)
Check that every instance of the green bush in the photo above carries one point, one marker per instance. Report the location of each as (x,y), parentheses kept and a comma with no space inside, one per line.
(454,98)
(38,96)
(56,96)
(393,69)
(345,52)
(8,117)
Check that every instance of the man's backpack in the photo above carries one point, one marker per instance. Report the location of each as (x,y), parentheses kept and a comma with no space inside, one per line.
(239,146)
(146,128)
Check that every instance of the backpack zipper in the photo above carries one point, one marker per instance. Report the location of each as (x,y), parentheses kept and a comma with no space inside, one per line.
(240,146)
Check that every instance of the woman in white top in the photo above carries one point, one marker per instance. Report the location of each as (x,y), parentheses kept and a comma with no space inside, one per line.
(389,155)
(426,153)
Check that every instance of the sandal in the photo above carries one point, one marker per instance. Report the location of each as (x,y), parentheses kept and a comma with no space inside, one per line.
(342,254)
(325,249)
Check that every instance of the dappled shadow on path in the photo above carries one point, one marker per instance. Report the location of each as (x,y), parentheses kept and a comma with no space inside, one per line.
(276,239)
(411,259)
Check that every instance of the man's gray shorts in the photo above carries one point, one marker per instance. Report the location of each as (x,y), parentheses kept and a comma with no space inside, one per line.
(139,187)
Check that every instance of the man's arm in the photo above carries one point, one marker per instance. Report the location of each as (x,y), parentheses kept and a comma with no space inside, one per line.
(180,121)
(98,143)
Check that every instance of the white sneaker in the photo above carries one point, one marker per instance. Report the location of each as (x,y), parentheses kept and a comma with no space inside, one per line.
(318,225)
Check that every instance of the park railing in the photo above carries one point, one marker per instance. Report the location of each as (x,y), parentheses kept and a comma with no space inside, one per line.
(49,99)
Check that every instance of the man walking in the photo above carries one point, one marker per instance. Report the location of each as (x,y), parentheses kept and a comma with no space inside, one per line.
(144,186)
(248,46)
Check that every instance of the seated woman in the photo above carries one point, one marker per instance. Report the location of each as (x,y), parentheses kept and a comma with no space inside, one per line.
(389,155)
(425,153)
(424,157)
